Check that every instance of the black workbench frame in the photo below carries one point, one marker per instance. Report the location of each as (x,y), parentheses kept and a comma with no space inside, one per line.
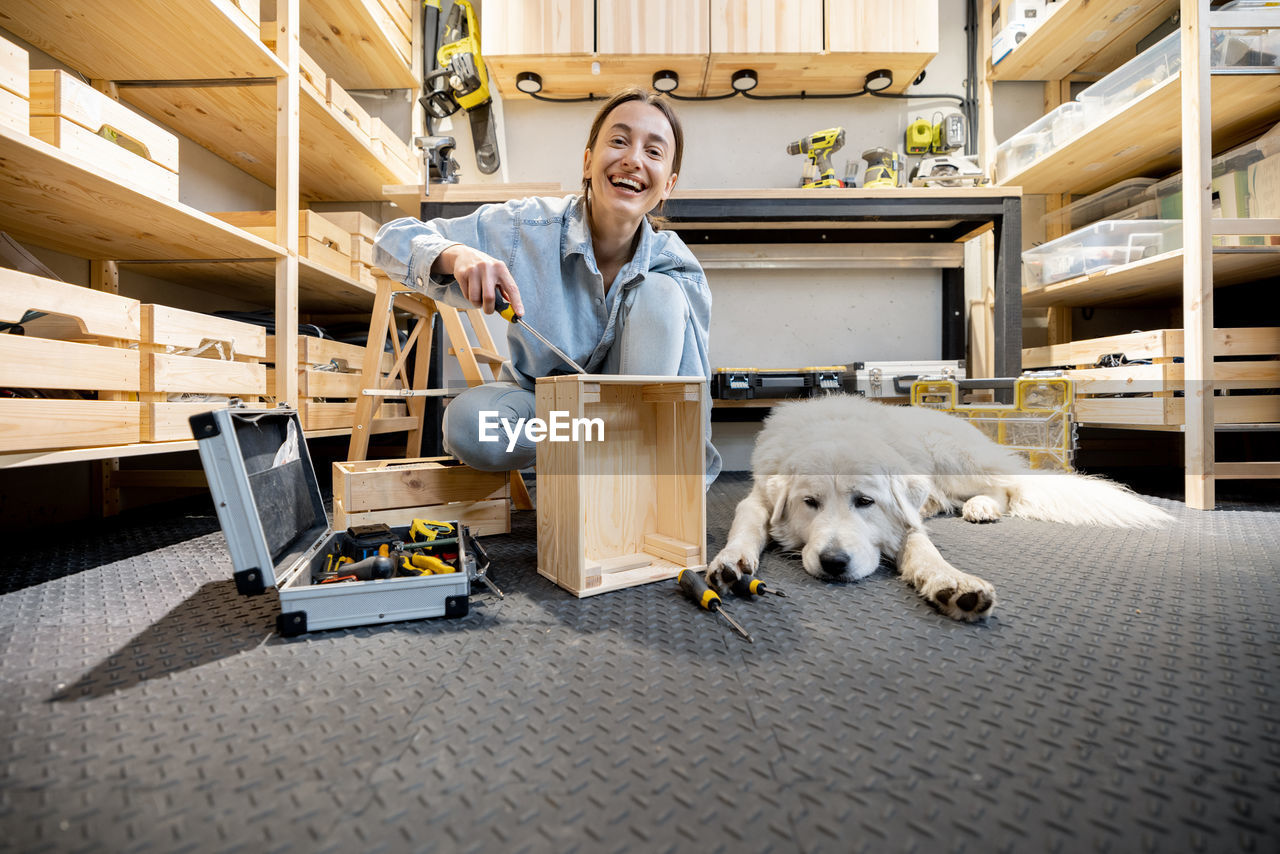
(903,216)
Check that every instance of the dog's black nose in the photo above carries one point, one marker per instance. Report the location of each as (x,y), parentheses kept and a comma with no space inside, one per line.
(834,564)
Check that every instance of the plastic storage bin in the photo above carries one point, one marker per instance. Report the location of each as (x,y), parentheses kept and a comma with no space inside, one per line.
(1098,247)
(1114,93)
(1130,199)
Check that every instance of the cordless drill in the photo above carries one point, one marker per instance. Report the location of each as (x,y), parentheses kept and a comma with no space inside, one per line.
(819,147)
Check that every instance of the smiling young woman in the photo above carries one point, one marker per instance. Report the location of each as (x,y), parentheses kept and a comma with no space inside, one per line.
(595,273)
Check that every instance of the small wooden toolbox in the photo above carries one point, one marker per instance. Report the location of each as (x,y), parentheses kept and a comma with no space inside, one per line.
(272,514)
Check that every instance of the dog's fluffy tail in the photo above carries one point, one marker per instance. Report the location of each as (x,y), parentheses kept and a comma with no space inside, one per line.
(1077,499)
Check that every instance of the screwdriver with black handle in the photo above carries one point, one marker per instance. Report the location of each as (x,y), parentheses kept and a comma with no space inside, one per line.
(504,308)
(696,588)
(748,585)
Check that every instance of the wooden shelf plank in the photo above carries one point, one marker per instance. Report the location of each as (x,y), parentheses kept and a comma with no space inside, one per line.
(63,203)
(144,39)
(1079,32)
(1153,278)
(356,43)
(23,459)
(337,162)
(320,289)
(1142,141)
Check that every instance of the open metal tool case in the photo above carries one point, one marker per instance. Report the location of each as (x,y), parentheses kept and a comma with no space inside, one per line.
(269,505)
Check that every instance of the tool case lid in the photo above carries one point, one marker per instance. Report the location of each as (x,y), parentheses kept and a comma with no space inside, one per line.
(264,490)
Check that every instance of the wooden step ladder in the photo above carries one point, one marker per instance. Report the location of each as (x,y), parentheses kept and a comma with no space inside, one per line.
(389,297)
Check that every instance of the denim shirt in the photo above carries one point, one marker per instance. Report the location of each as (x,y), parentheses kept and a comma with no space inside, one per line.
(546,244)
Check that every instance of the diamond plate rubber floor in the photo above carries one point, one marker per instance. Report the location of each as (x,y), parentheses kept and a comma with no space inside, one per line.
(1124,699)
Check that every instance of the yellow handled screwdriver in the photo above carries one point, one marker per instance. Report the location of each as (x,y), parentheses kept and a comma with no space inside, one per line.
(696,588)
(502,307)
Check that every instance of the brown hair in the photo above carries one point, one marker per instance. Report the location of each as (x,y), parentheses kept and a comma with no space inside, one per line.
(653,99)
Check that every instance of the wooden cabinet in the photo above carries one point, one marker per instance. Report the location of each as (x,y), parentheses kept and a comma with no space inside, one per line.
(537,28)
(904,27)
(625,28)
(818,46)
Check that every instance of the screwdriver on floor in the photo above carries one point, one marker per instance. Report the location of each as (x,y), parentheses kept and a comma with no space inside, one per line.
(695,587)
(748,585)
(502,307)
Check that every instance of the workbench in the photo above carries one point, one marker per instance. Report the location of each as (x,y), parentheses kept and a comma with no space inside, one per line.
(896,227)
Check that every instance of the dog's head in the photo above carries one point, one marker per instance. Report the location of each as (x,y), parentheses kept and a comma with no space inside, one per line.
(841,520)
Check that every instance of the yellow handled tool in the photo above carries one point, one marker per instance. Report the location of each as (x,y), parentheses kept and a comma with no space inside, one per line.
(696,588)
(504,308)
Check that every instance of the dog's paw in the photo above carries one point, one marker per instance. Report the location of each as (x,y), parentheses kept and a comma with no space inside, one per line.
(728,566)
(981,508)
(961,597)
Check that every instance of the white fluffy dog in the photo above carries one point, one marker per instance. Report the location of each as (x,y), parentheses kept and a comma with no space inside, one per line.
(844,480)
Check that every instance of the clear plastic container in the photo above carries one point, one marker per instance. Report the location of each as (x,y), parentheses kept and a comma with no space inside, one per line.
(1098,247)
(1139,75)
(1114,202)
(1235,186)
(1238,48)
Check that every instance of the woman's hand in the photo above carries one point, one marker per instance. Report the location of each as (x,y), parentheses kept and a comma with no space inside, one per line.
(479,275)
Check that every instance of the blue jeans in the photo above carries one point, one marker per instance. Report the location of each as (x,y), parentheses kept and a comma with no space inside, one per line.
(650,340)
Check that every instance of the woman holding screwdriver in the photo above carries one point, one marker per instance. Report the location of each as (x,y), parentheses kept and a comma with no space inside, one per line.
(592,272)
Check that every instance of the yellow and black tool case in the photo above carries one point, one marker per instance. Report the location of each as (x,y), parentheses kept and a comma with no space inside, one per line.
(273,517)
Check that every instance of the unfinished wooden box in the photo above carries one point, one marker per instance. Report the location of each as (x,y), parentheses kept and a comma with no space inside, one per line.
(629,507)
(329,382)
(1148,394)
(14,87)
(319,239)
(193,363)
(80,347)
(398,491)
(86,124)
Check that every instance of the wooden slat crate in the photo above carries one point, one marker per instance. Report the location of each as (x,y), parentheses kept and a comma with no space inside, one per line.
(398,491)
(629,508)
(327,398)
(319,239)
(14,87)
(83,344)
(188,353)
(1147,394)
(345,106)
(85,123)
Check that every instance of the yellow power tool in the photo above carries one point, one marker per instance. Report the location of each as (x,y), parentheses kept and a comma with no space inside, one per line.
(819,147)
(461,81)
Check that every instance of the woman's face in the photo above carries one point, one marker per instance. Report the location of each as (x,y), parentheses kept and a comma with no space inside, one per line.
(630,165)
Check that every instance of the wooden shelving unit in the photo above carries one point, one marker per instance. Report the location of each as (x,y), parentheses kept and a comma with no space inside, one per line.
(335,163)
(357,42)
(1218,110)
(63,203)
(1141,140)
(1153,279)
(145,39)
(236,105)
(1083,38)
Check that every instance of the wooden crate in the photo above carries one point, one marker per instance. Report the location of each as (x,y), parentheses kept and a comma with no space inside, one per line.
(398,491)
(329,382)
(188,353)
(631,508)
(345,106)
(82,121)
(83,345)
(1147,394)
(319,239)
(14,87)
